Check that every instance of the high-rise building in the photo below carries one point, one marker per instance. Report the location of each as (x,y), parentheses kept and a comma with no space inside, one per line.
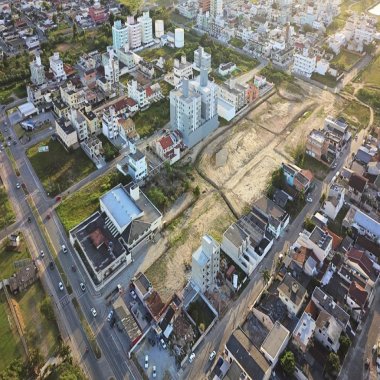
(216,8)
(134,33)
(119,35)
(37,71)
(204,6)
(56,66)
(146,28)
(111,66)
(202,59)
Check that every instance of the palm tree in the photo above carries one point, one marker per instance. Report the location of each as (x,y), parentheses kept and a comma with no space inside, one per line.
(266,275)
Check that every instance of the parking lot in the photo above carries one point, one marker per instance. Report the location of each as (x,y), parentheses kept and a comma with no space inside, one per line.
(158,357)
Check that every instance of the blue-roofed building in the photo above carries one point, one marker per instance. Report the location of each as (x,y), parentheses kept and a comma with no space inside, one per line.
(109,239)
(364,155)
(362,222)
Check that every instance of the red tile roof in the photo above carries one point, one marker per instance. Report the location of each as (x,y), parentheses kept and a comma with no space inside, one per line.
(359,257)
(337,240)
(131,102)
(312,309)
(357,294)
(166,142)
(308,174)
(148,91)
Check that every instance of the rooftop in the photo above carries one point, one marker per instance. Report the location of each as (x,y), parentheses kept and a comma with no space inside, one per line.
(142,283)
(305,328)
(275,339)
(321,238)
(358,294)
(292,289)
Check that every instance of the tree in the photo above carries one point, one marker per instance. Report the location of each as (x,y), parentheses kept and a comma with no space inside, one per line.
(75,30)
(54,18)
(265,275)
(35,361)
(345,343)
(111,19)
(308,224)
(333,364)
(288,363)
(197,191)
(157,196)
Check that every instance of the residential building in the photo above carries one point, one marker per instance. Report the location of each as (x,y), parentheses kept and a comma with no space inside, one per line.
(37,71)
(296,177)
(109,237)
(282,57)
(357,185)
(72,96)
(360,263)
(142,286)
(79,123)
(120,35)
(182,69)
(292,294)
(97,13)
(137,166)
(127,58)
(317,145)
(334,201)
(225,69)
(328,331)
(134,33)
(111,66)
(275,343)
(66,133)
(205,263)
(146,68)
(202,59)
(168,147)
(240,350)
(216,8)
(304,64)
(138,93)
(357,299)
(146,28)
(56,66)
(338,129)
(232,93)
(110,125)
(362,222)
(304,331)
(276,218)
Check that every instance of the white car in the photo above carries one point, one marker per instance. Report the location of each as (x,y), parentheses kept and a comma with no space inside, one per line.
(18,186)
(191,357)
(163,344)
(109,316)
(60,286)
(154,373)
(82,287)
(146,363)
(93,312)
(64,249)
(42,253)
(212,355)
(309,199)
(133,294)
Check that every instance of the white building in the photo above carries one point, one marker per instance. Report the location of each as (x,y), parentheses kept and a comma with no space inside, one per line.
(304,331)
(334,201)
(205,263)
(111,66)
(146,28)
(110,125)
(134,33)
(137,93)
(56,66)
(37,71)
(202,59)
(216,8)
(137,166)
(119,35)
(304,64)
(328,331)
(292,294)
(182,69)
(159,29)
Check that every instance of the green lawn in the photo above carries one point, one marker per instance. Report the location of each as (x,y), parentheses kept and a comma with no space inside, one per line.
(154,118)
(371,75)
(6,92)
(327,80)
(80,205)
(7,216)
(318,169)
(110,151)
(59,169)
(346,59)
(201,313)
(9,256)
(39,331)
(356,115)
(237,42)
(10,344)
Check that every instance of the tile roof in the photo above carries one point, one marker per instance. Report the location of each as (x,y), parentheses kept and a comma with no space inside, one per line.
(165,142)
(358,294)
(359,257)
(357,182)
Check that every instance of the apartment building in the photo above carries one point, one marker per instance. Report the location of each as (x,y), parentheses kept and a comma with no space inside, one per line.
(182,69)
(111,66)
(202,59)
(120,35)
(317,145)
(304,64)
(56,66)
(146,28)
(37,71)
(134,33)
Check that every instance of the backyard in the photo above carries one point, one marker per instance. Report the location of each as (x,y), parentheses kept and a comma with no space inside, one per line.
(59,169)
(7,215)
(327,80)
(345,60)
(371,75)
(8,256)
(356,114)
(10,344)
(201,313)
(81,204)
(40,329)
(21,132)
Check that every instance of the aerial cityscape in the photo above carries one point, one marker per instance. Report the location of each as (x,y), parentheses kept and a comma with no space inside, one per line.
(189,189)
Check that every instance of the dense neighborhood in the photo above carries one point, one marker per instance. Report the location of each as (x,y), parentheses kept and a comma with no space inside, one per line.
(189,189)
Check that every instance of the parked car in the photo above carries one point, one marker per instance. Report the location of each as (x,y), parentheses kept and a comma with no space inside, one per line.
(133,294)
(191,357)
(163,344)
(51,265)
(73,268)
(93,312)
(42,253)
(212,355)
(18,185)
(334,165)
(146,363)
(82,286)
(109,316)
(154,373)
(309,199)
(64,249)
(60,286)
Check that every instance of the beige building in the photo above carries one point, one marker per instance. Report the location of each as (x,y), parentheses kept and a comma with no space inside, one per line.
(66,133)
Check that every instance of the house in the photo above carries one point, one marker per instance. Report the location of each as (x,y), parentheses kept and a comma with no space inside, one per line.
(364,155)
(168,147)
(338,132)
(225,69)
(182,69)
(142,286)
(205,263)
(146,68)
(304,331)
(275,342)
(292,294)
(318,240)
(370,247)
(276,218)
(296,177)
(357,185)
(328,331)
(359,262)
(14,240)
(155,306)
(357,299)
(334,202)
(23,278)
(306,260)
(240,350)
(137,166)
(317,145)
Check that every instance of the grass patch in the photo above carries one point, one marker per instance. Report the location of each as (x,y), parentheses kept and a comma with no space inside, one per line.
(8,256)
(110,150)
(345,60)
(201,314)
(7,215)
(319,169)
(16,89)
(371,75)
(59,169)
(10,343)
(21,132)
(327,80)
(237,42)
(39,331)
(154,118)
(370,97)
(165,88)
(356,115)
(349,88)
(80,205)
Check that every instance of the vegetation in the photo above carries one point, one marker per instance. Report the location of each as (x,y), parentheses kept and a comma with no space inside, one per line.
(371,75)
(356,115)
(7,216)
(288,363)
(66,371)
(80,205)
(308,225)
(8,256)
(345,60)
(370,97)
(276,181)
(327,79)
(157,196)
(333,364)
(265,274)
(345,343)
(201,314)
(275,76)
(59,169)
(110,150)
(237,42)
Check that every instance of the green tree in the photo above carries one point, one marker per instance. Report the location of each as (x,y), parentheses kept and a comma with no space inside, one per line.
(35,361)
(197,191)
(345,343)
(288,363)
(265,275)
(54,18)
(157,196)
(75,31)
(111,19)
(308,224)
(333,364)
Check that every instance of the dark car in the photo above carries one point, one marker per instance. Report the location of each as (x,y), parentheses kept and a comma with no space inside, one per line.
(51,265)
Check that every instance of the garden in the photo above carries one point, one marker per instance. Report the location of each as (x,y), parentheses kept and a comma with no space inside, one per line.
(201,313)
(7,216)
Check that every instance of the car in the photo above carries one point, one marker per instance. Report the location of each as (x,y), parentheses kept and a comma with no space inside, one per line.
(154,373)
(191,357)
(14,142)
(64,249)
(119,288)
(73,268)
(334,165)
(29,219)
(82,286)
(42,253)
(93,312)
(51,265)
(163,344)
(212,356)
(146,362)
(18,185)
(133,294)
(109,316)
(60,286)
(309,199)
(9,143)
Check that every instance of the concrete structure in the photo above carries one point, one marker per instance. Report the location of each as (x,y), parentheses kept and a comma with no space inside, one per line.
(159,29)
(137,166)
(56,66)
(134,33)
(182,69)
(37,71)
(202,59)
(216,8)
(205,263)
(179,38)
(66,133)
(317,145)
(304,331)
(304,64)
(292,294)
(334,202)
(328,331)
(119,35)
(111,66)
(146,28)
